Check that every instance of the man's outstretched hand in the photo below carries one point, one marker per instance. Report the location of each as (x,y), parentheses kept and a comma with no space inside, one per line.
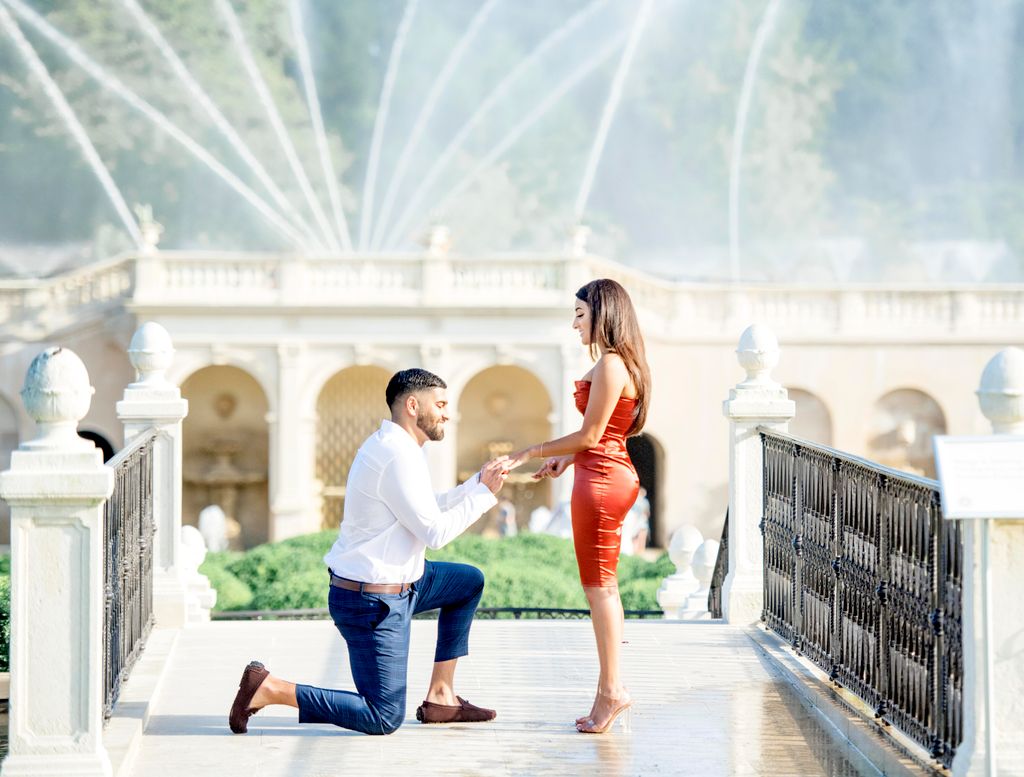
(494,472)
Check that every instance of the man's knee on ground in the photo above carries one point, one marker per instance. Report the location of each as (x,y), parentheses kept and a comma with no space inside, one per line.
(390,721)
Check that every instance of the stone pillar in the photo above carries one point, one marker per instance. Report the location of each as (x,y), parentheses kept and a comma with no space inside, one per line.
(292,442)
(56,487)
(756,402)
(153,402)
(993,556)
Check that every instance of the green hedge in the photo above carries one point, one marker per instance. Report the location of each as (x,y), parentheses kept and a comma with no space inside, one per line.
(529,570)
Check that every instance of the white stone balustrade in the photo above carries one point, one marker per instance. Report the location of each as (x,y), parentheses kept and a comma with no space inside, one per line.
(758,401)
(153,402)
(675,589)
(994,557)
(56,487)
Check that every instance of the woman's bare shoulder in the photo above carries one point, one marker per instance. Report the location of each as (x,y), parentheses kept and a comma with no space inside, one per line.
(615,373)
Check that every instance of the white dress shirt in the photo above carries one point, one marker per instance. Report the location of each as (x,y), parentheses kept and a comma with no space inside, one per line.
(392,513)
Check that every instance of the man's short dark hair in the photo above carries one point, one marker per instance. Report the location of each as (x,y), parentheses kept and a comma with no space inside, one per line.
(410,381)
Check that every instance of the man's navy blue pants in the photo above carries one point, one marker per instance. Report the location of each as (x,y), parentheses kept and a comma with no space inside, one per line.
(376,628)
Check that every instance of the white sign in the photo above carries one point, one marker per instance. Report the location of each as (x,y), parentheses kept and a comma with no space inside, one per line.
(981,477)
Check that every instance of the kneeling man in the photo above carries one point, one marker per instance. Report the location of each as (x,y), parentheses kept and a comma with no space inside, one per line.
(379,578)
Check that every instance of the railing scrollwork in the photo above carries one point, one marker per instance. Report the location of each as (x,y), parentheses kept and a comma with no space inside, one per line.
(864,578)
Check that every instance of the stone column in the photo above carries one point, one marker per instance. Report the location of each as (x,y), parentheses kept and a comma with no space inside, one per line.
(993,557)
(292,450)
(153,402)
(56,487)
(756,402)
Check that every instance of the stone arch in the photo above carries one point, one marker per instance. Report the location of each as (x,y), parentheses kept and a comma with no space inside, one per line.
(349,408)
(102,442)
(188,364)
(467,369)
(813,420)
(9,439)
(325,370)
(500,409)
(903,422)
(648,457)
(226,451)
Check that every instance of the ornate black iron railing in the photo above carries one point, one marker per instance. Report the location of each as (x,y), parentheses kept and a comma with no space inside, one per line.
(721,570)
(864,577)
(128,565)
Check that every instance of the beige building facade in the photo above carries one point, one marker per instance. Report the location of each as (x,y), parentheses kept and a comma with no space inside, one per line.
(284,360)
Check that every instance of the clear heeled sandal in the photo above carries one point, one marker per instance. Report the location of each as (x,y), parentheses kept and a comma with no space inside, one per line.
(623,714)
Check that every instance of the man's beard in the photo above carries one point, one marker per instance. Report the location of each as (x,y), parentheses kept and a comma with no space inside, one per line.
(435,432)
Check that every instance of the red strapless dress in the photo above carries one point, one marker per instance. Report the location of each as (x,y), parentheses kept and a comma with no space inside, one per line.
(605,486)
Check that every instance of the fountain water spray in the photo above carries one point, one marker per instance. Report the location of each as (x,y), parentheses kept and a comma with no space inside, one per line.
(369,184)
(112,84)
(425,114)
(739,132)
(513,135)
(313,100)
(263,93)
(614,96)
(490,101)
(74,126)
(218,119)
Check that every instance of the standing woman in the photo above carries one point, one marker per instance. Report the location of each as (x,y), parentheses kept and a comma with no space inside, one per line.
(613,398)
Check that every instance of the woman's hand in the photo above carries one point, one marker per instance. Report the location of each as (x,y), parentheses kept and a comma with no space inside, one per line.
(553,467)
(520,457)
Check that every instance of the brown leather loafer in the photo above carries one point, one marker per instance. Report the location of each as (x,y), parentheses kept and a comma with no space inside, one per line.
(463,712)
(252,678)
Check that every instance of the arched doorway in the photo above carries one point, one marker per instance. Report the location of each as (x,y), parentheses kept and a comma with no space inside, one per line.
(648,458)
(902,426)
(812,421)
(8,443)
(349,408)
(225,445)
(100,441)
(501,409)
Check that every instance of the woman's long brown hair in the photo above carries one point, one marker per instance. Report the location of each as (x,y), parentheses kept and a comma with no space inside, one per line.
(614,329)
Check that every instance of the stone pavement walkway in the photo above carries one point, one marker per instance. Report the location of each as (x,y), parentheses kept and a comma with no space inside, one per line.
(708,703)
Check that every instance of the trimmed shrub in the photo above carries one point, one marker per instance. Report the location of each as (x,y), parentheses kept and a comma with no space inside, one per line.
(232,593)
(529,570)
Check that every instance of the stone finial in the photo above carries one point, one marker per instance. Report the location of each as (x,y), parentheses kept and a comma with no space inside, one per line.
(704,563)
(685,541)
(57,395)
(758,353)
(150,228)
(578,240)
(439,242)
(151,353)
(1001,393)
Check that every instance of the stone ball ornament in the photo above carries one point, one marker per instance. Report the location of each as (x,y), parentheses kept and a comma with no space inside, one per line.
(57,395)
(684,543)
(1001,392)
(704,561)
(758,353)
(151,352)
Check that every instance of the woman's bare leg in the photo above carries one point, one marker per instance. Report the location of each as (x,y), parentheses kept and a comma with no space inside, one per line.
(607,618)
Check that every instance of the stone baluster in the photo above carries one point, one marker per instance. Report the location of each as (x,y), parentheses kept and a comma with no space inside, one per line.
(150,402)
(756,402)
(56,488)
(703,570)
(676,588)
(993,740)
